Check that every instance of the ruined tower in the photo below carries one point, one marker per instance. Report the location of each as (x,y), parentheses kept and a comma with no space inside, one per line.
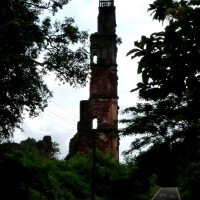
(103,101)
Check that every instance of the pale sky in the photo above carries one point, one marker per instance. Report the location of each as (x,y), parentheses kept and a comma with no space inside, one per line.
(61,116)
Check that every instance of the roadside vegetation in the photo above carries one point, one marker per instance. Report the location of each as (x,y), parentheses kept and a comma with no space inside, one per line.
(168,121)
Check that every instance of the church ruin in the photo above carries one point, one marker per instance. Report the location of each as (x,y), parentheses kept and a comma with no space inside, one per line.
(103,101)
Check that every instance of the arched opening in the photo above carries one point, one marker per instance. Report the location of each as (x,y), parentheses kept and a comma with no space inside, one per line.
(94,123)
(94,59)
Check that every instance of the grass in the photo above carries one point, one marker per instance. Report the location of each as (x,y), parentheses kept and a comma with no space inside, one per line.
(152,192)
(184,194)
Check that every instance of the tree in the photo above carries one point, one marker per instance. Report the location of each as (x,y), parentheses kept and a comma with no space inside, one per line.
(170,76)
(25,172)
(30,49)
(46,147)
(170,85)
(28,145)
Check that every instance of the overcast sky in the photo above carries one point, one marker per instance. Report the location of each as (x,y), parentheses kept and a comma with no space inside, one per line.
(60,118)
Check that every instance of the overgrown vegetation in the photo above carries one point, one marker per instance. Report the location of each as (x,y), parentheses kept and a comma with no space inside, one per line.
(168,122)
(31,47)
(29,174)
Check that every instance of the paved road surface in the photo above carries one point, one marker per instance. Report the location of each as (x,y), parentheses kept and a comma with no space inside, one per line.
(170,193)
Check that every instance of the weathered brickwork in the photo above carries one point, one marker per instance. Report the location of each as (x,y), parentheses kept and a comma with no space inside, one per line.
(103,101)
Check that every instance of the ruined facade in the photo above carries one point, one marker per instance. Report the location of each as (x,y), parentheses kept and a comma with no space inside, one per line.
(103,101)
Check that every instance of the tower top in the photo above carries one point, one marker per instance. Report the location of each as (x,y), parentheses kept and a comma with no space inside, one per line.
(106,3)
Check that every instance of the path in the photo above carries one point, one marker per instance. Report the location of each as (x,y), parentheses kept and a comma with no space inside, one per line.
(170,193)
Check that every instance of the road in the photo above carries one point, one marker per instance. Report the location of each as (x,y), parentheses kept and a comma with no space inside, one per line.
(168,193)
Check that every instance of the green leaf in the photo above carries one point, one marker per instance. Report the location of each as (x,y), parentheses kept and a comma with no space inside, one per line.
(133,90)
(138,54)
(132,51)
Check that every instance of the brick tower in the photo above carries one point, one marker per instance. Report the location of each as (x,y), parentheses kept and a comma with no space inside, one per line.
(103,101)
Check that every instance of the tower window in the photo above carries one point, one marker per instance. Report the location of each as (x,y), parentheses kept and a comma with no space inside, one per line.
(105,3)
(94,123)
(94,59)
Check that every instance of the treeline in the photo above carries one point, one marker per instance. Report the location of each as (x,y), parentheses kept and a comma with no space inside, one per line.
(28,172)
(31,170)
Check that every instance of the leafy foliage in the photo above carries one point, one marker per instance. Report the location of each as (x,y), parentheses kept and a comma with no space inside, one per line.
(169,58)
(45,147)
(47,178)
(165,120)
(170,86)
(30,49)
(170,77)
